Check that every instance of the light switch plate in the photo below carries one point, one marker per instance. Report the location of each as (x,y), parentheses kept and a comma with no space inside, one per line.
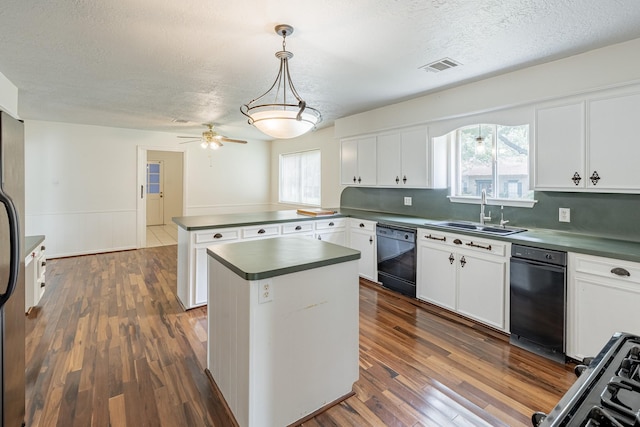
(564,215)
(407,201)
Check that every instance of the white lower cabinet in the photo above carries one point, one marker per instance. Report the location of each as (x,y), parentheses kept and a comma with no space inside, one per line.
(464,274)
(362,237)
(192,249)
(192,262)
(603,298)
(35,266)
(332,230)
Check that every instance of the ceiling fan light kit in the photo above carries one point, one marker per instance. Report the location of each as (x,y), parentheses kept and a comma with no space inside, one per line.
(288,116)
(211,139)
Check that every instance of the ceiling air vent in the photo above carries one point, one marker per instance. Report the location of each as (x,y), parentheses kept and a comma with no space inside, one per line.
(440,65)
(180,121)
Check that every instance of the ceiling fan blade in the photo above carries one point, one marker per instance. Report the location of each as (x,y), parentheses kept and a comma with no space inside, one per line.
(238,141)
(186,142)
(192,137)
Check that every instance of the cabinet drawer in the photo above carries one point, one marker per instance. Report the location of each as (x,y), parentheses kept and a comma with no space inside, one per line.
(607,267)
(260,231)
(464,242)
(297,227)
(325,224)
(425,235)
(361,224)
(220,235)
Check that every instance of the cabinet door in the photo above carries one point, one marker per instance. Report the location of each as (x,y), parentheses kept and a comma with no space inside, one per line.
(436,276)
(481,288)
(389,169)
(614,148)
(601,309)
(560,147)
(415,170)
(367,161)
(199,296)
(365,242)
(338,237)
(349,162)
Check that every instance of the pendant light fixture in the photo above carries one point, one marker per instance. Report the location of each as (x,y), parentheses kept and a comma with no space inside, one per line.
(282,114)
(479,141)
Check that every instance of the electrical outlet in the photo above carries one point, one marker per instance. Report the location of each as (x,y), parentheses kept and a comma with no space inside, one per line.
(564,215)
(407,201)
(265,292)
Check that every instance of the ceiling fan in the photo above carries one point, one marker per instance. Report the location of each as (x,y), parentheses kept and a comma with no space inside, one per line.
(211,139)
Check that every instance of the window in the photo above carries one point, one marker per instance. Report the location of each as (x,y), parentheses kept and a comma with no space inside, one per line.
(493,158)
(300,178)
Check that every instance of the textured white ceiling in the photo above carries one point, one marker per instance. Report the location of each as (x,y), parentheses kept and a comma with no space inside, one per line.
(142,63)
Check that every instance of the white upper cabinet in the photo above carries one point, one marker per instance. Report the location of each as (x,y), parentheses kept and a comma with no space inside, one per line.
(401,158)
(358,161)
(560,147)
(614,143)
(589,144)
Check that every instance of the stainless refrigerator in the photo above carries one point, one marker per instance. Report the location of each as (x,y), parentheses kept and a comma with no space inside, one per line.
(12,316)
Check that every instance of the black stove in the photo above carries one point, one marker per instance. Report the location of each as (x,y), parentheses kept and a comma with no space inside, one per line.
(607,392)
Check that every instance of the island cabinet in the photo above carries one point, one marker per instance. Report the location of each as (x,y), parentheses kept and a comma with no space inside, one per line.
(362,237)
(603,296)
(464,274)
(588,144)
(358,161)
(192,262)
(282,327)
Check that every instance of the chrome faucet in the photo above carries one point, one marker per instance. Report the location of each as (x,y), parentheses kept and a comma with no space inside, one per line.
(483,203)
(503,222)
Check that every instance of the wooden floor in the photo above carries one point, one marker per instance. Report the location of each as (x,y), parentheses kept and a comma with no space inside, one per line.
(111,346)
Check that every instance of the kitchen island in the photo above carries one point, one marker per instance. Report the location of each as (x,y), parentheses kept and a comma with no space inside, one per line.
(283,327)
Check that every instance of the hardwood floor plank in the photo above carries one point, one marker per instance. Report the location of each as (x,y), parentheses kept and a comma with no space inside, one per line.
(111,346)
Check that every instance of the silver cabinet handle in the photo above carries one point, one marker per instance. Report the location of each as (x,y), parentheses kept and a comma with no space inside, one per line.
(463,261)
(451,258)
(261,231)
(298,228)
(619,271)
(217,236)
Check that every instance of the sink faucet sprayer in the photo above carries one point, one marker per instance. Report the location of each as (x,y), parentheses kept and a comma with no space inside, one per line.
(483,202)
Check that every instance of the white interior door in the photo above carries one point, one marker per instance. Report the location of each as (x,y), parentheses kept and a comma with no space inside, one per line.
(155,200)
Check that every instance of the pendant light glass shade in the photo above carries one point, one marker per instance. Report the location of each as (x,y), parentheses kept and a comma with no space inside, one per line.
(288,115)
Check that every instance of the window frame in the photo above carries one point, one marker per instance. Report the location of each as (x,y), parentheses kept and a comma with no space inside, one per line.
(455,166)
(299,193)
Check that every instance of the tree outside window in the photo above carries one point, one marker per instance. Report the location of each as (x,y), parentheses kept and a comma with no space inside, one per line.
(493,158)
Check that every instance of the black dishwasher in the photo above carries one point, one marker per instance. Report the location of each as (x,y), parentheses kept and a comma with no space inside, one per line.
(538,300)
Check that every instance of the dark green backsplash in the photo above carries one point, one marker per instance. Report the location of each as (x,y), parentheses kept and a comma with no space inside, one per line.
(609,215)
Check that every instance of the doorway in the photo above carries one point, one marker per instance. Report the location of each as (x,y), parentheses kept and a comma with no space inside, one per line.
(155,189)
(161,195)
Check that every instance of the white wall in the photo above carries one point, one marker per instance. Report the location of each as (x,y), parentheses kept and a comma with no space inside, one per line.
(81,188)
(600,68)
(324,140)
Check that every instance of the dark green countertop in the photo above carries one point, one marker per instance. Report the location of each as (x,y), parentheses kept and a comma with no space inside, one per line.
(264,258)
(204,222)
(31,242)
(542,238)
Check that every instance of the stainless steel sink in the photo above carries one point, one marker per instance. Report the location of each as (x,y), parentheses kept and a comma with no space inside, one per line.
(479,228)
